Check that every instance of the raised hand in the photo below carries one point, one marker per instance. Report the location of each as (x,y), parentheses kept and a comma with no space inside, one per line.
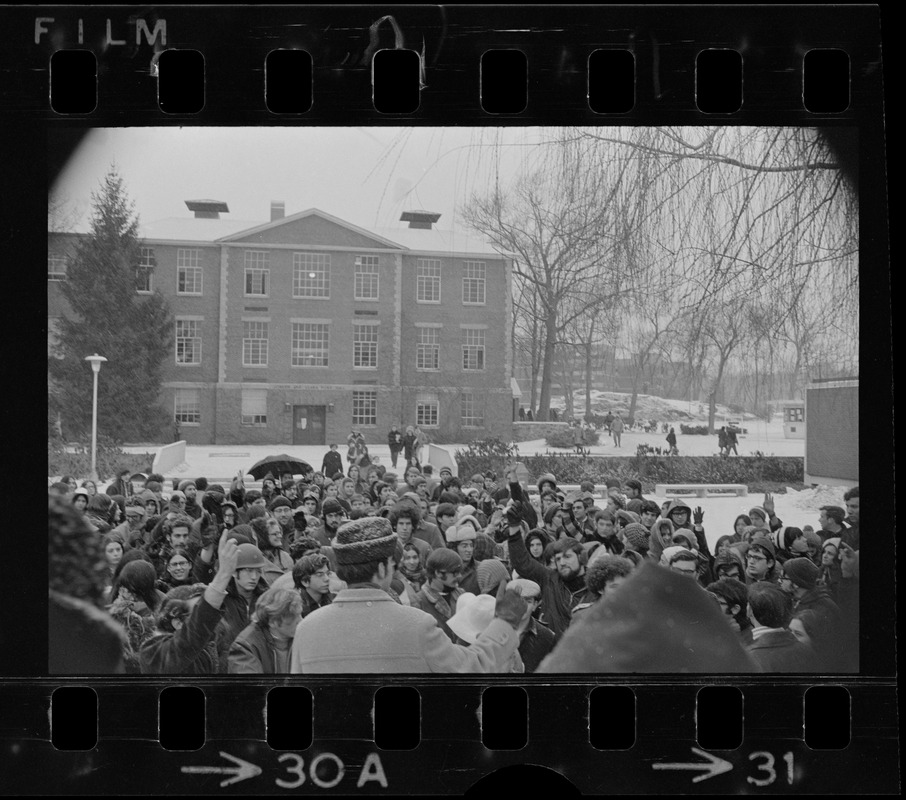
(768,504)
(698,515)
(227,554)
(511,607)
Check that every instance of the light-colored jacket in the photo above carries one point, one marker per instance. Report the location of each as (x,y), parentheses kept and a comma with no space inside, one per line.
(365,630)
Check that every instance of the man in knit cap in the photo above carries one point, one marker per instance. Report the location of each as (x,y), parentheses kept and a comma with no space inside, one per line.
(800,581)
(365,631)
(635,537)
(190,490)
(281,509)
(761,560)
(491,573)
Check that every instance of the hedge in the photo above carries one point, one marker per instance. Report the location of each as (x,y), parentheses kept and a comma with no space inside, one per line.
(110,460)
(564,438)
(572,468)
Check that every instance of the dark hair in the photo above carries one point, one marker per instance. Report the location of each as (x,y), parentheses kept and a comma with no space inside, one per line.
(405,510)
(171,610)
(139,577)
(567,544)
(604,569)
(632,483)
(588,486)
(734,593)
(358,573)
(449,498)
(201,484)
(651,506)
(770,606)
(836,513)
(550,550)
(854,492)
(252,495)
(307,566)
(259,526)
(683,555)
(301,545)
(130,555)
(179,521)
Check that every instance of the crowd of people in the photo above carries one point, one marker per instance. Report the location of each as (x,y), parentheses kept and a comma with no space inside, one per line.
(364,570)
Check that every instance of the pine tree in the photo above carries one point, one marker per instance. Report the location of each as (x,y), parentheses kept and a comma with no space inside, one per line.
(134,332)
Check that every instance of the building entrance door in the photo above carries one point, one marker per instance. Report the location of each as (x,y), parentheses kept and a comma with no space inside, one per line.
(309,425)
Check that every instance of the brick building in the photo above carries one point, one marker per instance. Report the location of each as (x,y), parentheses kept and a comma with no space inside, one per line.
(296,330)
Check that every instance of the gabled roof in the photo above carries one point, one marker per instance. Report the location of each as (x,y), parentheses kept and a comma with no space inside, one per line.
(309,213)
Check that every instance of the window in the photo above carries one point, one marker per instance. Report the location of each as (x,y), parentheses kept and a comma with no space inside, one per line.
(188,341)
(472,417)
(426,410)
(188,271)
(428,281)
(473,283)
(254,407)
(472,349)
(364,346)
(257,273)
(311,275)
(254,343)
(367,277)
(364,408)
(311,343)
(186,407)
(427,353)
(56,268)
(795,415)
(145,270)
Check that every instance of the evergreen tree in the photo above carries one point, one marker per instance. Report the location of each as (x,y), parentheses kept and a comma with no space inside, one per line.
(133,331)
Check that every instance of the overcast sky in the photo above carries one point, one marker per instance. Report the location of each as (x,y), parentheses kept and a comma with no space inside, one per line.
(367,176)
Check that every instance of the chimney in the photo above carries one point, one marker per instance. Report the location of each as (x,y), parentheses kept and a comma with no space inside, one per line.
(278,210)
(420,219)
(207,209)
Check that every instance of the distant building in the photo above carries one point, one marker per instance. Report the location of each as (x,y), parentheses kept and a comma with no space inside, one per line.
(297,329)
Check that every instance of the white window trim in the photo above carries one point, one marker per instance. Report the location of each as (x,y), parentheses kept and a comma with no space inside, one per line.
(267,345)
(440,284)
(373,395)
(200,343)
(267,281)
(367,367)
(298,321)
(484,282)
(418,345)
(327,271)
(63,275)
(187,424)
(377,274)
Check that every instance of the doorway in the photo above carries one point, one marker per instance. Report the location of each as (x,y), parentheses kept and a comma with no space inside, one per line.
(309,426)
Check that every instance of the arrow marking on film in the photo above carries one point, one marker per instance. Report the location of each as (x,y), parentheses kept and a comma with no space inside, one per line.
(714,765)
(241,772)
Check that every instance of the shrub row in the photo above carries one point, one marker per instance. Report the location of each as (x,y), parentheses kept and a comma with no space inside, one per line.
(572,468)
(565,438)
(694,430)
(110,460)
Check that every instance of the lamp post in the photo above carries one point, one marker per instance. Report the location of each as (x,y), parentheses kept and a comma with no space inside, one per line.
(95,368)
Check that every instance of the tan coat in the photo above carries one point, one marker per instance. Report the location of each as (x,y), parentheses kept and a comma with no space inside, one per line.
(365,630)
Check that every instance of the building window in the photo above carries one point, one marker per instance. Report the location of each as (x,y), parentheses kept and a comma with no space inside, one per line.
(257,273)
(364,346)
(472,416)
(188,271)
(145,270)
(186,407)
(427,411)
(56,268)
(795,415)
(428,281)
(311,275)
(427,353)
(254,407)
(364,408)
(188,341)
(254,343)
(473,349)
(473,283)
(311,344)
(367,277)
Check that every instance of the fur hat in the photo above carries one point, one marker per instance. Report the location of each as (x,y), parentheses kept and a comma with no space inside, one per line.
(460,533)
(365,540)
(636,536)
(802,572)
(547,478)
(491,573)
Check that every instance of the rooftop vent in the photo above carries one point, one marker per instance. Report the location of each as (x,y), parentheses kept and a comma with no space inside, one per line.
(420,219)
(207,209)
(278,210)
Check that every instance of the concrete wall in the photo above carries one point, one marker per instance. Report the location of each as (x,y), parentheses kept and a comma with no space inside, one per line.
(169,457)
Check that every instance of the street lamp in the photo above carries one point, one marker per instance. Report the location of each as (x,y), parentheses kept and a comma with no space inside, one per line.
(95,368)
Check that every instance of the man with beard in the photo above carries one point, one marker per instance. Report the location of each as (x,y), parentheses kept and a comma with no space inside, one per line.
(439,594)
(562,588)
(281,510)
(190,490)
(332,515)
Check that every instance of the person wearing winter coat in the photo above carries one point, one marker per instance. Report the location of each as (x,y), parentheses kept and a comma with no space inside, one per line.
(242,592)
(800,580)
(333,461)
(264,646)
(773,647)
(188,619)
(616,430)
(395,443)
(681,515)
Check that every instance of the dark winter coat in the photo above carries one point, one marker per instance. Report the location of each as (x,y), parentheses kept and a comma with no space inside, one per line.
(558,597)
(780,651)
(332,463)
(188,651)
(237,613)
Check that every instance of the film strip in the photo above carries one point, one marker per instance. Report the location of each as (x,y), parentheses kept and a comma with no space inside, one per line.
(68,70)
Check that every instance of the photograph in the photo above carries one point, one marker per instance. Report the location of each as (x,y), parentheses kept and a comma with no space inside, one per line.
(630,447)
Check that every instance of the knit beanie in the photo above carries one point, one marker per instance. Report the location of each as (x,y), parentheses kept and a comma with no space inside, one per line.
(331,506)
(814,540)
(360,541)
(628,516)
(759,511)
(491,573)
(635,506)
(242,534)
(278,501)
(636,536)
(689,536)
(183,484)
(765,544)
(802,572)
(443,560)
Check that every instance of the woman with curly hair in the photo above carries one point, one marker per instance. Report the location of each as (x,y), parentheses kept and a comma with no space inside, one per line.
(410,574)
(135,599)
